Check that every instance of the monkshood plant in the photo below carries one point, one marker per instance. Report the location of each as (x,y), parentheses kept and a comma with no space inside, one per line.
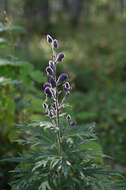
(57,158)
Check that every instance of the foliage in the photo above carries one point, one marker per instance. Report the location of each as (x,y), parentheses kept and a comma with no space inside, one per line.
(16,79)
(43,168)
(59,155)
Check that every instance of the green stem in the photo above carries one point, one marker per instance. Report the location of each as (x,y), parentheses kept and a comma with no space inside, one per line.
(57,112)
(58,125)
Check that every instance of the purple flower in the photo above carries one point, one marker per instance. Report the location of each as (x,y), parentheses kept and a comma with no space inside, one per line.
(54,106)
(52,64)
(72,123)
(47,84)
(49,70)
(68,117)
(55,43)
(49,106)
(68,93)
(51,113)
(53,82)
(66,86)
(48,92)
(62,77)
(45,105)
(49,39)
(59,57)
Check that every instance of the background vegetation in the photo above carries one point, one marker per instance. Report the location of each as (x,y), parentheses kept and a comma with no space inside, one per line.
(92,34)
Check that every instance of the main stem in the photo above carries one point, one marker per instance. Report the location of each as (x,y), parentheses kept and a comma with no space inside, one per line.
(58,123)
(57,111)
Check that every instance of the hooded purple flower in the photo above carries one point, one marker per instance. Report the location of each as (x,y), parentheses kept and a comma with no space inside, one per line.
(52,64)
(44,105)
(66,86)
(72,123)
(68,93)
(62,77)
(49,70)
(53,82)
(47,84)
(48,92)
(55,43)
(59,58)
(54,106)
(51,113)
(68,117)
(49,39)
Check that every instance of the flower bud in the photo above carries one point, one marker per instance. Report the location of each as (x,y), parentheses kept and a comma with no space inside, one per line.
(44,105)
(62,77)
(51,113)
(53,82)
(49,106)
(66,86)
(55,43)
(49,39)
(72,123)
(59,58)
(52,64)
(47,84)
(49,70)
(48,92)
(68,93)
(68,117)
(54,106)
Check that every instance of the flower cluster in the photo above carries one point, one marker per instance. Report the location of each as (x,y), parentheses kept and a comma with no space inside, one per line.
(51,88)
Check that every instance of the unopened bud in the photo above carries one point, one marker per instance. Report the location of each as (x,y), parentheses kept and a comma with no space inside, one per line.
(55,43)
(62,77)
(52,64)
(59,58)
(48,92)
(72,123)
(51,113)
(49,39)
(66,86)
(68,93)
(44,105)
(68,117)
(53,82)
(47,84)
(49,70)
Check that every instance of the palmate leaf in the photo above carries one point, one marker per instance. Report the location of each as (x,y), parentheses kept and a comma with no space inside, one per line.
(44,186)
(42,168)
(40,133)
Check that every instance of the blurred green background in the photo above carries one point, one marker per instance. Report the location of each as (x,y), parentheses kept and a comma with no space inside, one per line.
(92,34)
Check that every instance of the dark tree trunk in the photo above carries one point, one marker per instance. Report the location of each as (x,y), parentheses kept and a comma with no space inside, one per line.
(65,5)
(121,6)
(87,6)
(6,5)
(36,13)
(75,11)
(42,11)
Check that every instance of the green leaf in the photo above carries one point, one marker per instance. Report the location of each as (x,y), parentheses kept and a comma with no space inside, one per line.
(44,186)
(37,76)
(5,81)
(5,62)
